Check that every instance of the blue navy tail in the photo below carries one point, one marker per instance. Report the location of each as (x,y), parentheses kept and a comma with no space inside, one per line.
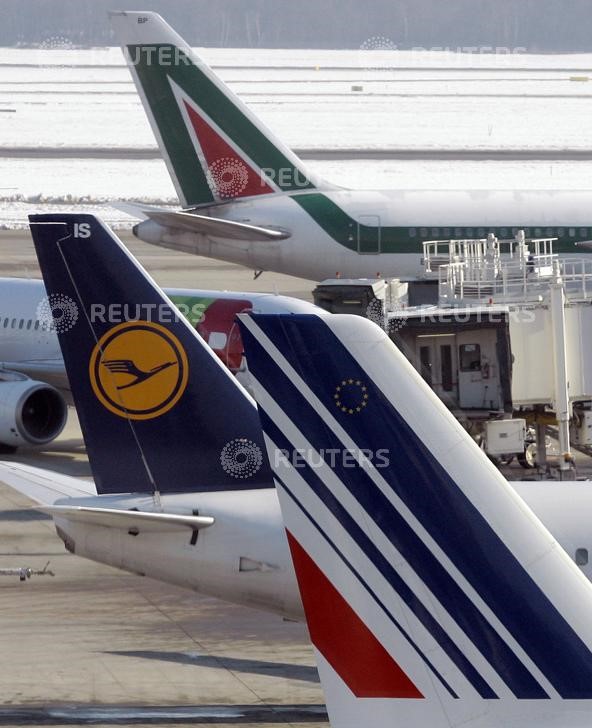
(426,581)
(157,409)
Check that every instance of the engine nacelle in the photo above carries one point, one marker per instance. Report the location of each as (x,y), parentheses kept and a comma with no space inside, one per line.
(31,413)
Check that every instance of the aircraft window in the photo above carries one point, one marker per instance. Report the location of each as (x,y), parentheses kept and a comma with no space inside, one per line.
(412,232)
(21,323)
(29,324)
(36,324)
(425,360)
(470,357)
(572,232)
(582,557)
(6,323)
(446,367)
(13,324)
(217,340)
(584,232)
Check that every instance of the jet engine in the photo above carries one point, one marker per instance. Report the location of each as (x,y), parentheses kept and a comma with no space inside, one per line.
(31,413)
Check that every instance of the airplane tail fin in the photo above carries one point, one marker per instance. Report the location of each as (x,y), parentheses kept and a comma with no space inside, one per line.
(158,410)
(433,595)
(215,148)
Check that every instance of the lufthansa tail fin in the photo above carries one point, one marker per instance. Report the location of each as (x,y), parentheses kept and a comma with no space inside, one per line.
(158,410)
(215,148)
(433,595)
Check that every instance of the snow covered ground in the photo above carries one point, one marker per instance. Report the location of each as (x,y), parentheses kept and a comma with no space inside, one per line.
(54,99)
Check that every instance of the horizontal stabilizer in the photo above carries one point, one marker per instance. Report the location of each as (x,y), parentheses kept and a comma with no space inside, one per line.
(114,518)
(43,486)
(50,371)
(216,226)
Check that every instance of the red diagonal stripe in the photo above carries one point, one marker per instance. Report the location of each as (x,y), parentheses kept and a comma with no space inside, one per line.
(343,639)
(216,151)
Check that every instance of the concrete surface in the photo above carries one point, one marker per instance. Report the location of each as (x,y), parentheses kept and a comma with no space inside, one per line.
(93,645)
(168,267)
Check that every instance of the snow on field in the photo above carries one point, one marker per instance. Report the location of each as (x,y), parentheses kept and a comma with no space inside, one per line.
(51,99)
(45,185)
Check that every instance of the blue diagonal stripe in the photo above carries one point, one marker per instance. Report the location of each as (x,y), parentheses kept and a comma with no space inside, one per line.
(434,498)
(381,563)
(370,591)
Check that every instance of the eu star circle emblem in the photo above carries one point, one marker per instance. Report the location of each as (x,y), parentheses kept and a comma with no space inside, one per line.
(351,396)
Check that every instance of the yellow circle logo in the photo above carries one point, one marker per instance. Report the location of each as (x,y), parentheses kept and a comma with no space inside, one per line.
(139,370)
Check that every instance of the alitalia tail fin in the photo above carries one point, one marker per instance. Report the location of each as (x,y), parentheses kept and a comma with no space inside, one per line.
(433,595)
(215,148)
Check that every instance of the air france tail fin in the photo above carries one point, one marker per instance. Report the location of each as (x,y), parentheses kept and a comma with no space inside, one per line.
(434,596)
(215,148)
(158,410)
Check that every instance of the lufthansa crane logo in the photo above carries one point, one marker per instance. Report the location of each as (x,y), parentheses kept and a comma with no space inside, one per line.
(138,369)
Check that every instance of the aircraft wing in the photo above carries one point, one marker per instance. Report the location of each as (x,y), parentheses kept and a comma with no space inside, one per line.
(126,519)
(42,486)
(51,371)
(205,224)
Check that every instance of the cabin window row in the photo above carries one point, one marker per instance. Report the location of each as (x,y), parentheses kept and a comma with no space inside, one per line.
(468,233)
(21,324)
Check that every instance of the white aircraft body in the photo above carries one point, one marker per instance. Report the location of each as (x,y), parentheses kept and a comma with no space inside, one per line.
(247,199)
(183,494)
(34,388)
(434,596)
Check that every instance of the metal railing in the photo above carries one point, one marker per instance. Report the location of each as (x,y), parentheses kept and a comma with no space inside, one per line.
(488,253)
(515,282)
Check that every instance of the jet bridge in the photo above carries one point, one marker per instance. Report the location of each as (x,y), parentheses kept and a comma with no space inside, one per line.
(505,337)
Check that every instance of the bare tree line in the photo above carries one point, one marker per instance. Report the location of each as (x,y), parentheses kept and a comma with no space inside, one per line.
(537,25)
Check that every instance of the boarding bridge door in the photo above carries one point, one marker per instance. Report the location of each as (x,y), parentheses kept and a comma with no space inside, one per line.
(369,234)
(478,370)
(436,362)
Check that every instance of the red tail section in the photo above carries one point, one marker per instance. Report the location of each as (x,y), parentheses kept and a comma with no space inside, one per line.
(343,639)
(229,175)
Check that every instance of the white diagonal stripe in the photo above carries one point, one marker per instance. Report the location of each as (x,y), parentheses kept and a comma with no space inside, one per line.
(362,563)
(318,406)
